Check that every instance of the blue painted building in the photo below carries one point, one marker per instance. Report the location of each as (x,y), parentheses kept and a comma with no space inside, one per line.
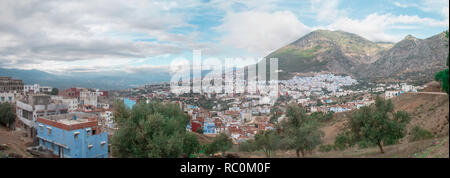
(209,128)
(129,103)
(338,109)
(75,135)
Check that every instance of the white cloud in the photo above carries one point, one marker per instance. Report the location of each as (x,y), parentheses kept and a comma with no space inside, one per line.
(98,34)
(35,33)
(375,26)
(327,10)
(432,6)
(261,32)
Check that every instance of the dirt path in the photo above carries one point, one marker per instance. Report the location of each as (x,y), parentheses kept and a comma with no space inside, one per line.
(15,142)
(432,93)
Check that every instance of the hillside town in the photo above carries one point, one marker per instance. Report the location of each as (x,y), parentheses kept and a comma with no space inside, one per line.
(78,122)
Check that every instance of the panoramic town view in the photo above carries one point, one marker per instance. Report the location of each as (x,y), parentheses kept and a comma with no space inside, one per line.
(224,79)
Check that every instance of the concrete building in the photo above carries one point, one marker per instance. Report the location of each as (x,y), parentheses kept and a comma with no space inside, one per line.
(391,94)
(75,135)
(45,89)
(34,106)
(89,98)
(7,84)
(31,88)
(108,119)
(9,97)
(70,93)
(72,104)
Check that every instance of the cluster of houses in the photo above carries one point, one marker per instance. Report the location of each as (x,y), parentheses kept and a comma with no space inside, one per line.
(320,85)
(240,124)
(394,90)
(76,123)
(241,116)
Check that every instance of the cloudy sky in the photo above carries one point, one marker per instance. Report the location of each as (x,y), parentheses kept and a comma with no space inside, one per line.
(63,36)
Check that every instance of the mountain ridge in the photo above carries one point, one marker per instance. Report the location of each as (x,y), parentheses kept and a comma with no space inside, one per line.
(347,53)
(100,81)
(337,52)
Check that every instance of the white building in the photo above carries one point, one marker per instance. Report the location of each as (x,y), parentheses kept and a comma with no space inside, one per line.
(108,117)
(46,89)
(7,97)
(72,104)
(31,88)
(89,98)
(35,106)
(391,94)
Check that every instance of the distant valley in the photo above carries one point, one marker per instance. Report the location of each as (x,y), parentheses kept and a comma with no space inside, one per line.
(111,81)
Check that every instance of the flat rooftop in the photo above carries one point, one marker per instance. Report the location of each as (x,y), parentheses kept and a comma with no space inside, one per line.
(72,118)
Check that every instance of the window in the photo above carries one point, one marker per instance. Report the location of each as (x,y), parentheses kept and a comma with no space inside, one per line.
(76,134)
(49,130)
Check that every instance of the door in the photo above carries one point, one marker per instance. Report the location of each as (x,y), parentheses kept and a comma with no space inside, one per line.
(61,152)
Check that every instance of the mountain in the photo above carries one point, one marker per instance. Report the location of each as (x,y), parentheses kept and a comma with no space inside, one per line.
(410,59)
(105,81)
(338,52)
(346,53)
(323,50)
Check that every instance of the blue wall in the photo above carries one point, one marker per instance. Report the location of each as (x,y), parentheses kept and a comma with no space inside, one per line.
(129,103)
(208,128)
(77,147)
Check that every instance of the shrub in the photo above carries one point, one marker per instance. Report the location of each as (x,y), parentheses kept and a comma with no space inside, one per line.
(326,148)
(420,134)
(343,141)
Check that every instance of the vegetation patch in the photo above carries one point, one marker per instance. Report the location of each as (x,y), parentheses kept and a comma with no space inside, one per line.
(418,133)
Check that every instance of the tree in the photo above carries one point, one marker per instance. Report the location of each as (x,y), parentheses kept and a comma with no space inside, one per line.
(443,76)
(248,146)
(55,91)
(379,123)
(267,141)
(319,103)
(322,117)
(7,115)
(200,130)
(299,131)
(343,140)
(154,130)
(220,143)
(190,144)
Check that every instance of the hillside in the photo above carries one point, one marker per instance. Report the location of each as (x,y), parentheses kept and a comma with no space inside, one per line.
(323,50)
(346,53)
(430,111)
(411,58)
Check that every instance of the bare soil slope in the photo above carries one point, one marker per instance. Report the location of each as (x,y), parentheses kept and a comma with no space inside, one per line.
(15,141)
